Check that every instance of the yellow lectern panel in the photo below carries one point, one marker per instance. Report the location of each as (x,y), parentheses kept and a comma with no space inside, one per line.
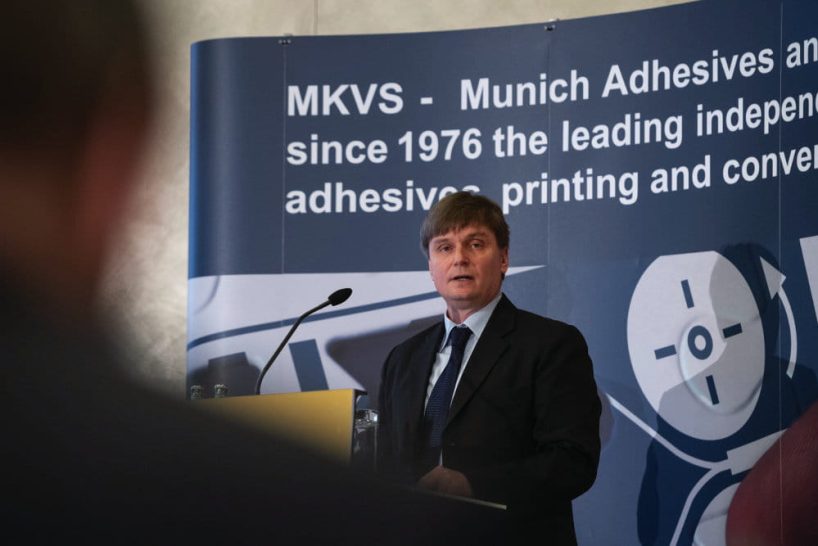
(320,420)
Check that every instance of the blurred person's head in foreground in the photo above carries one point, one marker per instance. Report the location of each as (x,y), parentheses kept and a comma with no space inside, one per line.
(74,111)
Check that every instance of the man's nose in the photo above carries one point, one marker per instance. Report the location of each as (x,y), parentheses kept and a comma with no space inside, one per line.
(461,254)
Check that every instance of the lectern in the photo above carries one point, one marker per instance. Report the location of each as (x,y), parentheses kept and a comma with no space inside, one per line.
(319,420)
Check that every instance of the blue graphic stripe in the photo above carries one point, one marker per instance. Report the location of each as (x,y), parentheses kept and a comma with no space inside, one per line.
(711,386)
(253,328)
(308,368)
(688,294)
(670,350)
(731,331)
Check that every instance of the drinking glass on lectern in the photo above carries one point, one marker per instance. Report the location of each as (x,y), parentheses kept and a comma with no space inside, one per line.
(364,439)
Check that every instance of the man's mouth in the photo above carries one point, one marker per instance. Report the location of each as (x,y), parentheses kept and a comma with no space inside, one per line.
(462,278)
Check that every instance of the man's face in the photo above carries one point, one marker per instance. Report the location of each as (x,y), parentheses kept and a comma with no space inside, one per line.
(467,267)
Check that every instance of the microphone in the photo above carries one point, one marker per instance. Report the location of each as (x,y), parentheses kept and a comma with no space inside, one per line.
(336,298)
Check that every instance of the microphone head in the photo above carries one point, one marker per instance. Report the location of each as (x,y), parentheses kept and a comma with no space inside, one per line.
(340,296)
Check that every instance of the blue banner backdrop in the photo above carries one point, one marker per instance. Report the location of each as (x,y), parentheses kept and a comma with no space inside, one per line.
(658,169)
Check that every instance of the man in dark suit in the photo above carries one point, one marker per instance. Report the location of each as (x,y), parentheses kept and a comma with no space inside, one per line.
(522,427)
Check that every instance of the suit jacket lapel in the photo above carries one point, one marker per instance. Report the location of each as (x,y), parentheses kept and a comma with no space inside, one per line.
(490,347)
(423,358)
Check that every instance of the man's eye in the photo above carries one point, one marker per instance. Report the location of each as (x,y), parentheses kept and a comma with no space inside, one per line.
(444,248)
(477,244)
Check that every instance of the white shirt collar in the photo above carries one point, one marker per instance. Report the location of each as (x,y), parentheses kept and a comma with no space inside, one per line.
(476,321)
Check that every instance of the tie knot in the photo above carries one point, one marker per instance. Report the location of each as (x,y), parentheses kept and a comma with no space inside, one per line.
(458,337)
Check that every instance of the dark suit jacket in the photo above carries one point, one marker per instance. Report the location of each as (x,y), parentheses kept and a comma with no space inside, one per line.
(524,422)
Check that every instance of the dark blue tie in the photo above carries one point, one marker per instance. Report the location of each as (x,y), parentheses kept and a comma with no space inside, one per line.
(437,408)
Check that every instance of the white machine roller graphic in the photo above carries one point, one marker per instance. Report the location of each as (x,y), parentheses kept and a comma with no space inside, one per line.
(696,343)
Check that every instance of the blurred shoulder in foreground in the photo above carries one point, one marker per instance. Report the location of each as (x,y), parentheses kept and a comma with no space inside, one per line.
(777,502)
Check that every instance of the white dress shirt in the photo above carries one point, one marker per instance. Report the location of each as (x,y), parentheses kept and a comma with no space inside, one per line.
(477,323)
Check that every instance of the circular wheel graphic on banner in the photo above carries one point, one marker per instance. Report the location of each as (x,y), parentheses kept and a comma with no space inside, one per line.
(696,343)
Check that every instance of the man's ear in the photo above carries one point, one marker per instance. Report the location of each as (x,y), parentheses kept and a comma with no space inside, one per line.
(504,260)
